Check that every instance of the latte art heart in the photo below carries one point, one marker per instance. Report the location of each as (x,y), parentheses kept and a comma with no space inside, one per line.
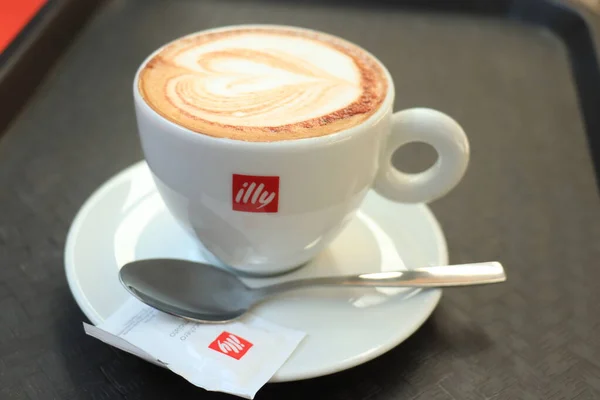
(262,84)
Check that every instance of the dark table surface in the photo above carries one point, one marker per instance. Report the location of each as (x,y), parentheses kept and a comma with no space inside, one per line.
(529,199)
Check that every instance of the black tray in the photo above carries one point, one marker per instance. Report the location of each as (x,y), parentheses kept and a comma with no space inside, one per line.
(29,56)
(520,76)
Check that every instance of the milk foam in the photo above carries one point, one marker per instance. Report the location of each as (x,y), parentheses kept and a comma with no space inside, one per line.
(256,79)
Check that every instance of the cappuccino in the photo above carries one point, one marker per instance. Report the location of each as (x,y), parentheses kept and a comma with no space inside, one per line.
(263,83)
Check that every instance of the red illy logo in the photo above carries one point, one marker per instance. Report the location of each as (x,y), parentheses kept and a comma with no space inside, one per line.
(230,345)
(258,194)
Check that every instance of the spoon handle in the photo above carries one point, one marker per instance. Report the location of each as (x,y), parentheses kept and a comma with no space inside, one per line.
(439,276)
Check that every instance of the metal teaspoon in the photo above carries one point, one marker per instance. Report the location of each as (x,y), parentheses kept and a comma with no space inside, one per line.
(205,293)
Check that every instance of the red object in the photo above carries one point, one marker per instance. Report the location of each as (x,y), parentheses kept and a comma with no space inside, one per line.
(14,16)
(231,345)
(259,194)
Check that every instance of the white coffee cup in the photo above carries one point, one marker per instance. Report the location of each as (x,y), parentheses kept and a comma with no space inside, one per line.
(267,207)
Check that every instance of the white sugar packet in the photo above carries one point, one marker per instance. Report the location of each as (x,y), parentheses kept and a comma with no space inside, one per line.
(236,358)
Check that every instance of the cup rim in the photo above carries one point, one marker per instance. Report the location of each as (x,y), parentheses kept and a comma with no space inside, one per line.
(327,139)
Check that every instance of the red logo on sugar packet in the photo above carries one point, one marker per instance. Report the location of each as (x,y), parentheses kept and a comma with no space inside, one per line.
(230,345)
(258,194)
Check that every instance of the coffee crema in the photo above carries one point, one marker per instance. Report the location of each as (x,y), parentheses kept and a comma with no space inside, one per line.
(263,84)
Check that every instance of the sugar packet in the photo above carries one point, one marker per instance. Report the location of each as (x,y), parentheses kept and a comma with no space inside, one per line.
(237,357)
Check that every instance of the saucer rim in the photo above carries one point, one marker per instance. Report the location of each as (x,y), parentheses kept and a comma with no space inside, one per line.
(431,296)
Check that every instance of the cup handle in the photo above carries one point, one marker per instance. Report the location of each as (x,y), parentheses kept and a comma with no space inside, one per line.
(436,129)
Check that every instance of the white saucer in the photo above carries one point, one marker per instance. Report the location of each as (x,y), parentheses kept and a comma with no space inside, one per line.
(125,220)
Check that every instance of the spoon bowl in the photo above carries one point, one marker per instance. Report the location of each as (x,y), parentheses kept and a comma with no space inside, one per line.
(195,291)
